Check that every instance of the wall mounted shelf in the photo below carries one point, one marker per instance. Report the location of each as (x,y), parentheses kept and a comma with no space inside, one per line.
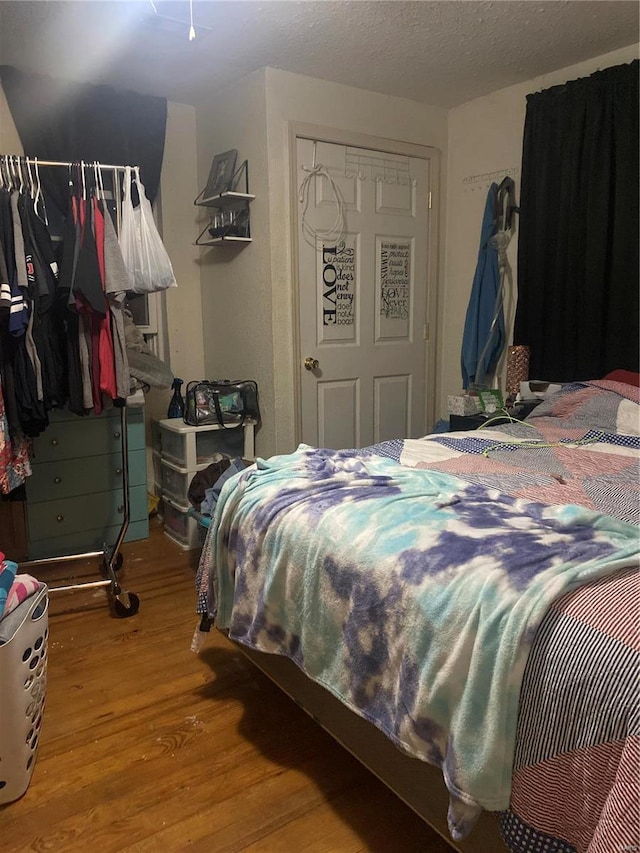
(218,241)
(229,200)
(230,222)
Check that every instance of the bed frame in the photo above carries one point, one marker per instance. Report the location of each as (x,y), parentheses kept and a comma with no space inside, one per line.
(418,784)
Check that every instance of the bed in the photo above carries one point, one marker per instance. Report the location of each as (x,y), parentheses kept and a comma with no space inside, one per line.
(466,602)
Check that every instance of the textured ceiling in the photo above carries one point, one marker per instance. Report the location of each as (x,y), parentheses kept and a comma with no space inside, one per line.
(440,53)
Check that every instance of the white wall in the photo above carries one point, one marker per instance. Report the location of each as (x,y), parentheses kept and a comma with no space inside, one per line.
(236,284)
(247,293)
(9,139)
(485,136)
(295,98)
(182,309)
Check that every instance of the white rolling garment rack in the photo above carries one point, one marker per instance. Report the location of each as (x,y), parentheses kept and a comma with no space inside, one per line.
(124,603)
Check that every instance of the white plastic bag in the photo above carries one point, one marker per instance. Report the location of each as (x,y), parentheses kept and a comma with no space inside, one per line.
(143,251)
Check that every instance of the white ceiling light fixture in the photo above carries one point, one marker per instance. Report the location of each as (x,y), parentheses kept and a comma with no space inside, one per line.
(178,23)
(192,32)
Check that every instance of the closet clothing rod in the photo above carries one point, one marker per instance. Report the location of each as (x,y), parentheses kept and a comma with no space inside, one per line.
(35,161)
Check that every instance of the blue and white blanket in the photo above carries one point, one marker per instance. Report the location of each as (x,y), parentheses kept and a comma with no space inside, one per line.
(411,595)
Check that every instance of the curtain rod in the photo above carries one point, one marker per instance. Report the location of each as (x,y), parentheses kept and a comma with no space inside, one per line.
(35,161)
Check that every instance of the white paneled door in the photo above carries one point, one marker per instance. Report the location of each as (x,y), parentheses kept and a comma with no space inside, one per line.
(362,296)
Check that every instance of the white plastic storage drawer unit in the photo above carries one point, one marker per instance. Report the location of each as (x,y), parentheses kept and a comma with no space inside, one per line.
(185,450)
(175,482)
(193,448)
(179,526)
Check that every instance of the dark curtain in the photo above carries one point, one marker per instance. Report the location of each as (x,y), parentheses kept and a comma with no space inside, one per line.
(578,237)
(61,120)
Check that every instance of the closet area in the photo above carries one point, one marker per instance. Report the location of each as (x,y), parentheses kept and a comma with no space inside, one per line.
(73,451)
(73,364)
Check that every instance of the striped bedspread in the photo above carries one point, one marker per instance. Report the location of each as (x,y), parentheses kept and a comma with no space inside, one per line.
(576,776)
(575,782)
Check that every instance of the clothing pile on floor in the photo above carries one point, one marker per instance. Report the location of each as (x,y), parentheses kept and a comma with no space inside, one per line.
(14,588)
(206,485)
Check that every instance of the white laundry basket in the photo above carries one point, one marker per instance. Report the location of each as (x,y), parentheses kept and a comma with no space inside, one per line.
(23,683)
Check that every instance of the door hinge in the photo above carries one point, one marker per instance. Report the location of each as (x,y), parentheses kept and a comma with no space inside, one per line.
(430,200)
(426,331)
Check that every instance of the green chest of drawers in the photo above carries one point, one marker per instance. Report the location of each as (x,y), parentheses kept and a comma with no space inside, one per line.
(75,501)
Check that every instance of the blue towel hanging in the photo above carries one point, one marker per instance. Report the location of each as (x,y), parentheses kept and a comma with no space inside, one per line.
(484,334)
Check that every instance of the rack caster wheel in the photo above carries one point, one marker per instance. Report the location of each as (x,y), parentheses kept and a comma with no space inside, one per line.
(122,608)
(117,563)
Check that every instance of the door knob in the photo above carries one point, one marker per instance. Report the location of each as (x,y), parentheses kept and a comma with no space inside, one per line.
(311,363)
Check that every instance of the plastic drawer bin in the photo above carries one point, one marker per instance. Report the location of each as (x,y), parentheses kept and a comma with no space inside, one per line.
(175,483)
(188,447)
(179,526)
(23,682)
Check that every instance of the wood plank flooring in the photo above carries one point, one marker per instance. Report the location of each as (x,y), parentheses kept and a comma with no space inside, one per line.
(146,746)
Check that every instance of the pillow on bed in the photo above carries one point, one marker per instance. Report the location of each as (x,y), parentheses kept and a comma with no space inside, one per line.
(626,376)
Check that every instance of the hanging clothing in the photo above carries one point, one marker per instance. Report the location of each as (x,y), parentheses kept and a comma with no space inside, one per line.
(116,285)
(484,336)
(14,446)
(24,403)
(62,311)
(68,262)
(5,290)
(105,345)
(48,326)
(18,313)
(24,244)
(18,242)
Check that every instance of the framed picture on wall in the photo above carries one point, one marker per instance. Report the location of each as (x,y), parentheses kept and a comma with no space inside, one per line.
(221,174)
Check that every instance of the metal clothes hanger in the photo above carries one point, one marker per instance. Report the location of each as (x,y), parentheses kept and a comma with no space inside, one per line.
(39,195)
(101,184)
(20,174)
(32,189)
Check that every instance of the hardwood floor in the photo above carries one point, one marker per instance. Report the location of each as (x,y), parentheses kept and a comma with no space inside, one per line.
(146,746)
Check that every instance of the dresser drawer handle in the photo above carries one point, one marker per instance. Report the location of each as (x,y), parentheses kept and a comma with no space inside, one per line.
(116,435)
(54,442)
(59,518)
(57,480)
(118,471)
(121,508)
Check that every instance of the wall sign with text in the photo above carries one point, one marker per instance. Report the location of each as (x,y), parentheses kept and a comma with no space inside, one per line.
(394,285)
(337,288)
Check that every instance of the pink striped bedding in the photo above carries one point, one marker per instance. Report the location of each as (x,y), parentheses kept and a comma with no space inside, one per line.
(575,782)
(577,761)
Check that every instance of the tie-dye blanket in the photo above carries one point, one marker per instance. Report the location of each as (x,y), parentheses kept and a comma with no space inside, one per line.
(412,595)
